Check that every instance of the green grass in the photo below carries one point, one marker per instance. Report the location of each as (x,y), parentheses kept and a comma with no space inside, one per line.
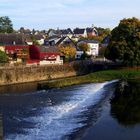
(100,76)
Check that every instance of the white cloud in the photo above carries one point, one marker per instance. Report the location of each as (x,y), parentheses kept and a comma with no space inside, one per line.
(62,13)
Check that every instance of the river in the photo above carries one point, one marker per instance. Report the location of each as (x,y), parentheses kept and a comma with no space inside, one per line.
(81,112)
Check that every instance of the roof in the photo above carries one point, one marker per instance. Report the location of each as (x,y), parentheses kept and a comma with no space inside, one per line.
(89,30)
(48,52)
(79,31)
(38,37)
(68,41)
(66,31)
(60,41)
(49,49)
(89,41)
(28,38)
(54,32)
(12,39)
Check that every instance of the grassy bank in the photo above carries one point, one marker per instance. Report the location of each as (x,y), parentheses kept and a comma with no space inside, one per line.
(100,76)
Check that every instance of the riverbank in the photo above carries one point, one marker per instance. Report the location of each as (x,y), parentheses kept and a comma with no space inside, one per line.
(99,76)
(10,75)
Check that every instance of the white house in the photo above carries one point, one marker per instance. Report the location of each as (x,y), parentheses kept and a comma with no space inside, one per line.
(93,48)
(66,32)
(54,59)
(80,32)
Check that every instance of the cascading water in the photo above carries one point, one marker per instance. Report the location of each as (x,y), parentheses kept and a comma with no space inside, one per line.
(50,115)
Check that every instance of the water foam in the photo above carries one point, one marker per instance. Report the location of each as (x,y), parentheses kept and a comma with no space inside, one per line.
(59,120)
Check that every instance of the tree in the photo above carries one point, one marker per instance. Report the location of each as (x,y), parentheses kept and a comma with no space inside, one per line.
(125,42)
(35,42)
(68,51)
(102,33)
(6,25)
(83,47)
(3,57)
(102,51)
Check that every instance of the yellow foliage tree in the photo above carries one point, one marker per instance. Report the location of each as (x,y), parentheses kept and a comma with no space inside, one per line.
(84,47)
(68,51)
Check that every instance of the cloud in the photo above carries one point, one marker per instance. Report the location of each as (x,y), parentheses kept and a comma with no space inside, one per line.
(68,13)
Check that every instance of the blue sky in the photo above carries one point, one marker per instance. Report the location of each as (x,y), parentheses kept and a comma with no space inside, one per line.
(44,14)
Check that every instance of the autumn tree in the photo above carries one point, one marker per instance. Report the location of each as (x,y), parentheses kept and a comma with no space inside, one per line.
(125,42)
(83,47)
(68,51)
(102,33)
(102,51)
(6,25)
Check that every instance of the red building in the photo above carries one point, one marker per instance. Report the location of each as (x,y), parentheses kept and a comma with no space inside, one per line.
(18,53)
(45,54)
(33,54)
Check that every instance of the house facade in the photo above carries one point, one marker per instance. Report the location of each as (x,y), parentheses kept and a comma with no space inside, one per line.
(45,55)
(93,48)
(80,32)
(31,54)
(17,53)
(91,32)
(66,32)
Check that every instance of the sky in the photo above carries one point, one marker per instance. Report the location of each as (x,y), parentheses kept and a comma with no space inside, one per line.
(45,14)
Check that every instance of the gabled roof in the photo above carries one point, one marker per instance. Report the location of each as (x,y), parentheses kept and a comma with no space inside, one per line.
(12,39)
(89,30)
(54,32)
(70,31)
(38,37)
(79,31)
(68,41)
(66,31)
(61,40)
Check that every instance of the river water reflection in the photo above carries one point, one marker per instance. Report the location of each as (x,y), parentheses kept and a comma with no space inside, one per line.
(78,112)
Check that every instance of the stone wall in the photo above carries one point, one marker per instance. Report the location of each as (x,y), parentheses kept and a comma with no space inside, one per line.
(23,74)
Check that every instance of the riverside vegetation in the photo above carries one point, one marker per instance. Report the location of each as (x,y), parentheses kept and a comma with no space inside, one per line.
(99,76)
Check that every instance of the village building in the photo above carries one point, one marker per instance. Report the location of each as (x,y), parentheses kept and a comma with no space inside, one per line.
(12,39)
(66,41)
(80,32)
(17,53)
(93,48)
(91,32)
(45,54)
(67,32)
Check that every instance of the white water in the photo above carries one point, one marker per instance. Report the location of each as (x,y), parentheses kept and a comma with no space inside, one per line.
(56,121)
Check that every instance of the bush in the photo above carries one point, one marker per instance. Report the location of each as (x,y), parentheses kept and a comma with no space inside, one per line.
(3,57)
